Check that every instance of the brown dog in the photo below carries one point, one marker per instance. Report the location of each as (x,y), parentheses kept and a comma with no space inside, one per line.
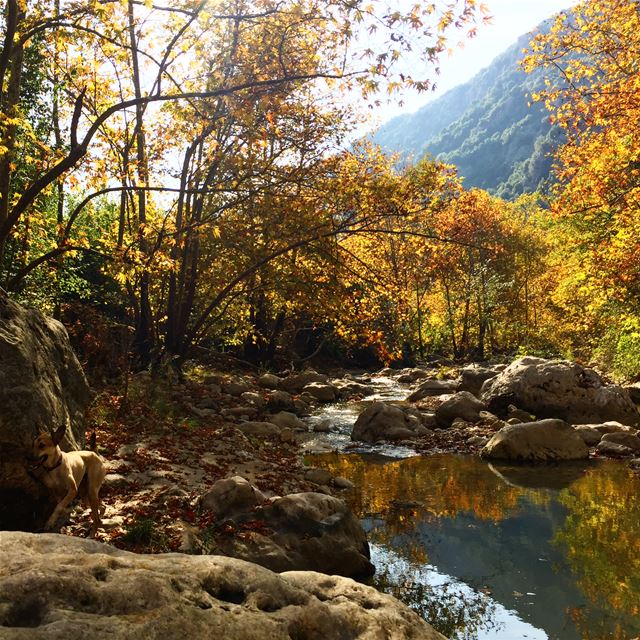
(63,472)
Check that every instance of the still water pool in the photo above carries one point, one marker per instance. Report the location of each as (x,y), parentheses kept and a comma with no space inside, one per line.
(495,552)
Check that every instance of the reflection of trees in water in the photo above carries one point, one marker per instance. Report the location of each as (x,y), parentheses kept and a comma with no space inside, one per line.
(404,492)
(457,613)
(602,543)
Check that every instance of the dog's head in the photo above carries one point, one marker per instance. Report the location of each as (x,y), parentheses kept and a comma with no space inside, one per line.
(44,449)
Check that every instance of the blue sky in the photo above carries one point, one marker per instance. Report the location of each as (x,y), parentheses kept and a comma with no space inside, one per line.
(511,19)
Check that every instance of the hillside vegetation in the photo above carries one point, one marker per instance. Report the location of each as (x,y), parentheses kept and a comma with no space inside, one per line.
(486,127)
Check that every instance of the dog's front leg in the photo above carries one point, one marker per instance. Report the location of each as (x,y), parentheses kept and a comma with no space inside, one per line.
(61,506)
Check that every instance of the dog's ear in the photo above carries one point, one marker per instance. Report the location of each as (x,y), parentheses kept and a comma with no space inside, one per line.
(59,434)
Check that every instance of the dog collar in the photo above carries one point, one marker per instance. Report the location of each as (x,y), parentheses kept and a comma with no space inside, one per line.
(55,466)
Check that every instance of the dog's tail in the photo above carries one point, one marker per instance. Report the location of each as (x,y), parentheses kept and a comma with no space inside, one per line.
(92,441)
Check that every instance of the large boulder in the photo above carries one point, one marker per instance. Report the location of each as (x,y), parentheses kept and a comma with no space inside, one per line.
(308,531)
(462,405)
(382,421)
(41,386)
(558,389)
(542,441)
(473,376)
(56,587)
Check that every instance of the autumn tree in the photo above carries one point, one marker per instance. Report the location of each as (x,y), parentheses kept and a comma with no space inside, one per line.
(113,65)
(593,94)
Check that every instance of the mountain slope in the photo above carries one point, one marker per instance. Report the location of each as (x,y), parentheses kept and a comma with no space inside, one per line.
(485,127)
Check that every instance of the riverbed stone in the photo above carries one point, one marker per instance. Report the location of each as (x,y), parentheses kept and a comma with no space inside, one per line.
(613,449)
(430,388)
(279,400)
(473,376)
(542,441)
(296,382)
(287,419)
(628,440)
(304,531)
(230,496)
(55,587)
(558,389)
(322,391)
(259,429)
(383,421)
(269,381)
(590,435)
(462,405)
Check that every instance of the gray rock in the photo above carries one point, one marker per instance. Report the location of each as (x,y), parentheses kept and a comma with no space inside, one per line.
(614,427)
(613,449)
(287,419)
(558,389)
(317,476)
(254,398)
(322,391)
(589,434)
(382,421)
(413,375)
(296,382)
(259,429)
(433,388)
(348,388)
(269,381)
(519,414)
(542,441)
(56,587)
(207,403)
(343,483)
(279,400)
(634,392)
(322,427)
(41,387)
(462,405)
(230,496)
(473,376)
(625,439)
(236,388)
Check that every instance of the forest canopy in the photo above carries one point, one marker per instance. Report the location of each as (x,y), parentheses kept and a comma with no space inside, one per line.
(186,171)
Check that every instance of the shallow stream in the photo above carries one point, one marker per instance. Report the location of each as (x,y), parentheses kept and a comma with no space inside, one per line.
(497,552)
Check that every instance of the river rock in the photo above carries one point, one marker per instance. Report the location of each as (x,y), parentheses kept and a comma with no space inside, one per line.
(235,387)
(381,421)
(41,386)
(296,382)
(589,434)
(433,388)
(259,429)
(307,531)
(613,449)
(322,391)
(287,419)
(231,496)
(628,440)
(254,398)
(269,381)
(634,392)
(317,475)
(462,405)
(614,427)
(541,441)
(347,388)
(558,389)
(279,400)
(473,376)
(55,587)
(412,375)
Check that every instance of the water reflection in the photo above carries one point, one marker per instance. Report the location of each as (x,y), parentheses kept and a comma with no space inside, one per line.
(540,553)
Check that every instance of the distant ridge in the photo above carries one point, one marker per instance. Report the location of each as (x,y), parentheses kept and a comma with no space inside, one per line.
(485,127)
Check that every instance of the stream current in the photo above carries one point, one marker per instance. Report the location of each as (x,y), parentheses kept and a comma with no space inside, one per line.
(494,552)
